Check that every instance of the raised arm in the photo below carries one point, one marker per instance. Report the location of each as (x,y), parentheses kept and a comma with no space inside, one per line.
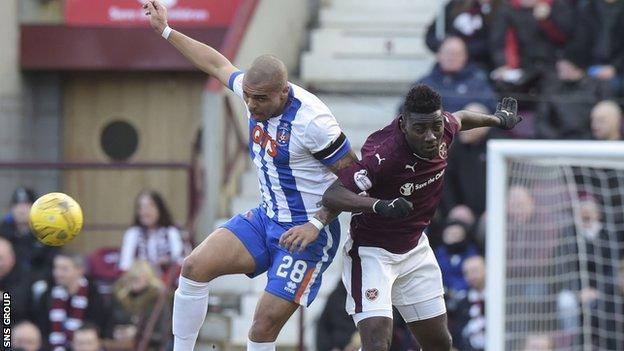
(505,117)
(201,55)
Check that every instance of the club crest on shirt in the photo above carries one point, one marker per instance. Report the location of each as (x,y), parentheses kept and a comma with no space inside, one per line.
(407,189)
(443,150)
(283,134)
(371,294)
(361,180)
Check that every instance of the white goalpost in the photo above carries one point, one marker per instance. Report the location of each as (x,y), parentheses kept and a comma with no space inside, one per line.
(554,245)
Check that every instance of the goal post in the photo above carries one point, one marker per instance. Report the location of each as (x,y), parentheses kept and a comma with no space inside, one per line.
(554,171)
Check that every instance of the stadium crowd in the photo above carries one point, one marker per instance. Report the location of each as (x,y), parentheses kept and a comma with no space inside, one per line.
(113,299)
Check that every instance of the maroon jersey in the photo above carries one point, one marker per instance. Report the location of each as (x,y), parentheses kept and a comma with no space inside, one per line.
(389,169)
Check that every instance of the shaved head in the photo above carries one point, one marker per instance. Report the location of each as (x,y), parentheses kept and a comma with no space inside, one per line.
(266,88)
(267,70)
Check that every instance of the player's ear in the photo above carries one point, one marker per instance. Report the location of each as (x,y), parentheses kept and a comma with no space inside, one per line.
(402,122)
(285,89)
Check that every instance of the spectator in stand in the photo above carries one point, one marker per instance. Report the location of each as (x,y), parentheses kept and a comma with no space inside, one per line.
(69,302)
(335,329)
(464,182)
(470,312)
(87,338)
(600,251)
(15,281)
(456,248)
(136,295)
(468,20)
(525,39)
(458,81)
(569,98)
(599,27)
(153,237)
(15,227)
(606,121)
(26,336)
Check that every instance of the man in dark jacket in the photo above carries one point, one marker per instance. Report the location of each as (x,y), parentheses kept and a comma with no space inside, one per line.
(569,98)
(457,81)
(31,254)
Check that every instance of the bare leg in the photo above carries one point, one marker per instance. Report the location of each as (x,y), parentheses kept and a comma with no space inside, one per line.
(271,314)
(219,254)
(375,333)
(432,334)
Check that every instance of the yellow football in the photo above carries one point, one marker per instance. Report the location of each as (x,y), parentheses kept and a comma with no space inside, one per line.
(55,219)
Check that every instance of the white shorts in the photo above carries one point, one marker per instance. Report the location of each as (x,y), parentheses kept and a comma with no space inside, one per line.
(377,279)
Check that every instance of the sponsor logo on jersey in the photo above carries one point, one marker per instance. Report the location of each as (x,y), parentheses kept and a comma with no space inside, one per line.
(262,138)
(380,159)
(412,167)
(407,189)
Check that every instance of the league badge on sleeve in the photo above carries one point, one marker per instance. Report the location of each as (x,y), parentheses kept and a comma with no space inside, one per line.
(361,180)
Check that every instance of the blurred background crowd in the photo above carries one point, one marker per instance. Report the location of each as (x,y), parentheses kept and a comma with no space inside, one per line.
(563,60)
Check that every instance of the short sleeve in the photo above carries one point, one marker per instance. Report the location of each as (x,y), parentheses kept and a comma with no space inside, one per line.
(325,140)
(235,83)
(360,176)
(451,123)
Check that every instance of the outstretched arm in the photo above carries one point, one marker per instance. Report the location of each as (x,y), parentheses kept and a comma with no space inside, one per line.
(201,55)
(341,198)
(337,196)
(505,117)
(298,237)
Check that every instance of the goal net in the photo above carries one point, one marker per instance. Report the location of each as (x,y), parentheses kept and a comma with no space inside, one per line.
(555,246)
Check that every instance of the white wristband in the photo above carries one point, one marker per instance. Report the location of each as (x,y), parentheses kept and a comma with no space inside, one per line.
(166,32)
(318,224)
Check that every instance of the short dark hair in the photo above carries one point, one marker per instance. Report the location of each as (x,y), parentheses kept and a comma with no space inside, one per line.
(421,99)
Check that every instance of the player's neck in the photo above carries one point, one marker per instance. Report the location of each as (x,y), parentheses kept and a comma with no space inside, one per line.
(413,150)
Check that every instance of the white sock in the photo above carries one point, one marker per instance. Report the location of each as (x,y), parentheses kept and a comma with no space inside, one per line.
(190,306)
(260,346)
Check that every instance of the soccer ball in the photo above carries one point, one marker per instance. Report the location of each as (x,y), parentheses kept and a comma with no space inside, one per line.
(55,219)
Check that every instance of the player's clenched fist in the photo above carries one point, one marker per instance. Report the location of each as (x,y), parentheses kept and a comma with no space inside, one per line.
(507,113)
(396,208)
(157,13)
